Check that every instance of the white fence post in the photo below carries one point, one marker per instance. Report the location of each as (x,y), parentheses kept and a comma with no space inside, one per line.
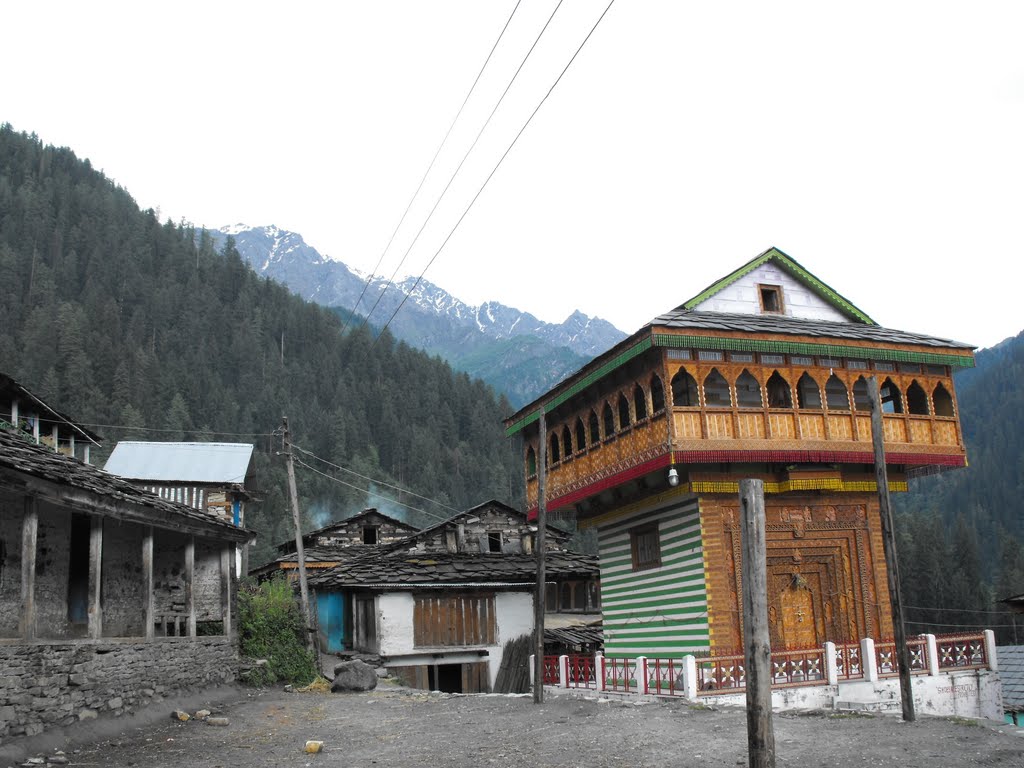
(990,650)
(932,649)
(831,672)
(563,671)
(868,660)
(532,661)
(690,676)
(641,675)
(599,679)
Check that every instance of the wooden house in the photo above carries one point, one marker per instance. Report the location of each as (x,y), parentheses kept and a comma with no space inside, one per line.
(25,412)
(761,375)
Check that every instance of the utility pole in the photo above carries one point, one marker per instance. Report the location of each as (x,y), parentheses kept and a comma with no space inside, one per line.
(299,552)
(539,597)
(757,645)
(889,545)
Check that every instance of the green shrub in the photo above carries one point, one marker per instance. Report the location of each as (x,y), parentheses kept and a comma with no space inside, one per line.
(270,627)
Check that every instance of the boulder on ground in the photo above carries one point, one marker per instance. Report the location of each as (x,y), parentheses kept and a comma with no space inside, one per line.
(354,676)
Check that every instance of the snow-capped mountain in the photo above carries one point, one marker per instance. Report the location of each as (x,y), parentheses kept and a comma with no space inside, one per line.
(492,341)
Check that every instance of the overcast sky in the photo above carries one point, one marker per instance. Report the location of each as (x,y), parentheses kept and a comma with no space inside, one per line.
(879,144)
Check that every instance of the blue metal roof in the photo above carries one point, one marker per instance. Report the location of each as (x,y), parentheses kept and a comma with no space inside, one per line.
(221,463)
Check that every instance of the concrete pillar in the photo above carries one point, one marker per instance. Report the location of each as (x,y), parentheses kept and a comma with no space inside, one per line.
(932,651)
(599,677)
(95,614)
(563,671)
(29,535)
(147,580)
(641,675)
(831,668)
(990,650)
(868,661)
(690,677)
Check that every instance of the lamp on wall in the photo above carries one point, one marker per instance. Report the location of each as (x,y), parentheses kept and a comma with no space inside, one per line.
(673,477)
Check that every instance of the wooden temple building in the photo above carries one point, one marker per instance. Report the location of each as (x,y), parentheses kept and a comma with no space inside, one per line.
(761,375)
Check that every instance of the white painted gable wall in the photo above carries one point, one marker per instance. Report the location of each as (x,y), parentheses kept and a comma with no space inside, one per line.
(798,300)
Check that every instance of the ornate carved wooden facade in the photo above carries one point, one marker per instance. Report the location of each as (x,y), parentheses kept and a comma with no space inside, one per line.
(762,375)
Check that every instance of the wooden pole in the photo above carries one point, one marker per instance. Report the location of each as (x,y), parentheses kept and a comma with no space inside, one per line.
(539,598)
(300,553)
(95,610)
(760,732)
(889,545)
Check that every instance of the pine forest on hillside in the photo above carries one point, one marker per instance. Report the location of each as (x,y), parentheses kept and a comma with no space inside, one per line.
(145,331)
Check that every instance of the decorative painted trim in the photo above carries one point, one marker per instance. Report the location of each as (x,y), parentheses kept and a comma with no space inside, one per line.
(616,362)
(796,270)
(817,457)
(808,348)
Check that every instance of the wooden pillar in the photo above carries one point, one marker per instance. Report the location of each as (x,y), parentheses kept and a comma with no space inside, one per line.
(95,577)
(539,607)
(227,562)
(760,732)
(889,545)
(29,535)
(190,575)
(147,580)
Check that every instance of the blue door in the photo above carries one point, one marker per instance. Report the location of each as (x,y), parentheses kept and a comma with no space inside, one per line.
(330,611)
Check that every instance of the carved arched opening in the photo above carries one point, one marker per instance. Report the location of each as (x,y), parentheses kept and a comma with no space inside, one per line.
(657,394)
(639,402)
(837,398)
(595,430)
(748,391)
(684,390)
(917,399)
(716,390)
(892,400)
(808,394)
(566,442)
(581,435)
(531,462)
(623,411)
(555,455)
(943,401)
(779,393)
(861,400)
(609,421)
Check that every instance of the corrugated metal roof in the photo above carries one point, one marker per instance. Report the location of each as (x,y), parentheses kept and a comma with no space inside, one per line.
(181,462)
(1011,674)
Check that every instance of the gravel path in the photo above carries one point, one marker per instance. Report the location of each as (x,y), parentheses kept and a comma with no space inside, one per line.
(399,727)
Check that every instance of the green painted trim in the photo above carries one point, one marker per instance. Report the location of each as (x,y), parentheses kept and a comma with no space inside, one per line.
(804,348)
(796,270)
(616,362)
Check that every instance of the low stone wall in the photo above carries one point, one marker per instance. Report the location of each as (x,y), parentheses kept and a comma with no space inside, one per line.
(44,685)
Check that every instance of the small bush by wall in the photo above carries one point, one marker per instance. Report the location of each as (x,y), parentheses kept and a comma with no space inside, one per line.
(270,627)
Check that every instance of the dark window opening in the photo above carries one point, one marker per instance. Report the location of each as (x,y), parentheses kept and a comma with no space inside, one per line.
(446,678)
(370,534)
(716,390)
(565,603)
(861,399)
(639,402)
(943,401)
(779,395)
(748,391)
(645,547)
(623,412)
(595,432)
(917,400)
(657,394)
(684,390)
(555,457)
(581,436)
(771,298)
(892,401)
(494,542)
(836,396)
(566,442)
(78,570)
(609,421)
(808,396)
(531,462)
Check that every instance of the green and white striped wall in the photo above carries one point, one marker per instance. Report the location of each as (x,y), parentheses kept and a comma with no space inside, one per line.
(659,612)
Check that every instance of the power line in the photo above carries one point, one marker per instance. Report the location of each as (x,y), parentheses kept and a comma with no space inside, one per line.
(960,610)
(368,491)
(495,169)
(459,168)
(70,422)
(374,480)
(429,169)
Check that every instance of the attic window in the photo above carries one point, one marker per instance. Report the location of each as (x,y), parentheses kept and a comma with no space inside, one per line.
(494,542)
(771,298)
(370,534)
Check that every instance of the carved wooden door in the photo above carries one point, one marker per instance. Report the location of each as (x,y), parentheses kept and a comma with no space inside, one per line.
(796,605)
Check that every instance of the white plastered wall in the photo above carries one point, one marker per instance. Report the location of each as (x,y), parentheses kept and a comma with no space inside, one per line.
(797,299)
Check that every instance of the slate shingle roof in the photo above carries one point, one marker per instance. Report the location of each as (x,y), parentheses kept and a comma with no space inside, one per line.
(402,569)
(1011,674)
(41,462)
(774,324)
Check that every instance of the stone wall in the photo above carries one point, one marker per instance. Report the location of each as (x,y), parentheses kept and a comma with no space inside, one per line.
(44,685)
(10,564)
(124,587)
(206,581)
(168,575)
(53,555)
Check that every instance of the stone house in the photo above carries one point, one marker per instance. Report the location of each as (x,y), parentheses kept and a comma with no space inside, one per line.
(110,596)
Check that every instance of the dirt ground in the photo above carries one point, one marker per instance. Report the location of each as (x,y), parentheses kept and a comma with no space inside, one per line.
(400,727)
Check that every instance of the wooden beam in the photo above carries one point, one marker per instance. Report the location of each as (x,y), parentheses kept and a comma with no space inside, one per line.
(889,545)
(147,580)
(95,577)
(760,732)
(190,575)
(29,537)
(227,562)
